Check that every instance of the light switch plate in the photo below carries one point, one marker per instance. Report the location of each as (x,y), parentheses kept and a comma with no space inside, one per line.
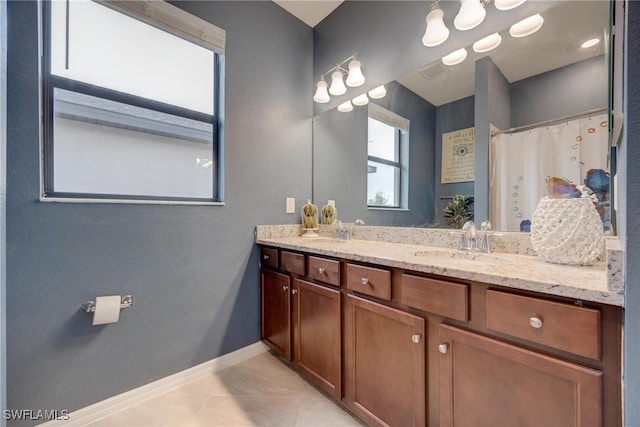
(291,205)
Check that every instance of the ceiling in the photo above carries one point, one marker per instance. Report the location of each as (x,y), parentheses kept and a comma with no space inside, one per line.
(311,12)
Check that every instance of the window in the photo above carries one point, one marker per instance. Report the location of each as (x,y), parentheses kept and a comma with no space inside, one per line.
(131,102)
(387,165)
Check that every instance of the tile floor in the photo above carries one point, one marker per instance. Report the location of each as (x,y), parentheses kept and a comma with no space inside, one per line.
(261,391)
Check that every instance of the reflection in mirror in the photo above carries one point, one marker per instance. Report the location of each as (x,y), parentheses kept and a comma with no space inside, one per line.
(524,81)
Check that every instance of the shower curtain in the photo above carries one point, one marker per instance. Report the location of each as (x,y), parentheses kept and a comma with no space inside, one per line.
(521,162)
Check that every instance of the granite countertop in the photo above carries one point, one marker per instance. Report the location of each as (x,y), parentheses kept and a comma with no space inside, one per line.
(527,272)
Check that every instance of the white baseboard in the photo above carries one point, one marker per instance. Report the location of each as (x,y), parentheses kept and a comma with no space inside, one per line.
(102,409)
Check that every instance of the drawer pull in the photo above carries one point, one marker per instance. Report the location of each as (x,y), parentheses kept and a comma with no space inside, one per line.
(443,348)
(535,322)
(416,338)
(364,281)
(320,270)
(294,291)
(266,257)
(285,288)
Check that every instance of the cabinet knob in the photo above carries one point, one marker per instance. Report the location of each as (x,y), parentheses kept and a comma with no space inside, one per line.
(266,256)
(285,288)
(443,348)
(416,338)
(364,281)
(320,270)
(535,322)
(294,291)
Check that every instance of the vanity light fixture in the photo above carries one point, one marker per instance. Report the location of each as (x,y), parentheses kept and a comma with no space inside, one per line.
(455,57)
(337,84)
(470,15)
(360,100)
(488,43)
(590,43)
(345,107)
(354,78)
(322,95)
(436,32)
(508,4)
(527,26)
(378,92)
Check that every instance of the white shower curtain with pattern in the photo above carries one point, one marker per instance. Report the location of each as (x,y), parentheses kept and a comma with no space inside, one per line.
(521,162)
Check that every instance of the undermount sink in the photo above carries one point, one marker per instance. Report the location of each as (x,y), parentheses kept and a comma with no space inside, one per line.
(463,256)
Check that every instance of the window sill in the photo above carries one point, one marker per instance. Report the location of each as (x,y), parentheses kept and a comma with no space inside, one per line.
(127,201)
(372,208)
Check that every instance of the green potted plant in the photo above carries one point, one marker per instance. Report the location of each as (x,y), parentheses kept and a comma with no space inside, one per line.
(457,211)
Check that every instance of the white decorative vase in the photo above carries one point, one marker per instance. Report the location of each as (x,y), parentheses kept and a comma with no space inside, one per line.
(567,231)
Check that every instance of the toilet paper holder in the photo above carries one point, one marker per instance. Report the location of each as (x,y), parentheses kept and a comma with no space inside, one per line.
(125,302)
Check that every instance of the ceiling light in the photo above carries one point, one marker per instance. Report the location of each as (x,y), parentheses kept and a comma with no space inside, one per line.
(590,43)
(361,100)
(378,92)
(508,4)
(471,14)
(337,84)
(527,26)
(322,95)
(455,57)
(488,43)
(436,32)
(345,107)
(355,77)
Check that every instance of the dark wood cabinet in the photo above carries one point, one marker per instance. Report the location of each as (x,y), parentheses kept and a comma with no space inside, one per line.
(487,382)
(275,324)
(317,348)
(385,364)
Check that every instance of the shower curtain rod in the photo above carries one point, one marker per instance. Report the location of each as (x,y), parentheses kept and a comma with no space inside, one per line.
(547,122)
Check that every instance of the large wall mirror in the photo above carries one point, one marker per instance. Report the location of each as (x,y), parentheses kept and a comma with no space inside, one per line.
(514,101)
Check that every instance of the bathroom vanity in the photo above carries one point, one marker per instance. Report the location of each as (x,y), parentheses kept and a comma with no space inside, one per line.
(410,334)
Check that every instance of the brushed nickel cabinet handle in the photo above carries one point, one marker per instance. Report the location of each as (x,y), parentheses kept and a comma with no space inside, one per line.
(443,348)
(294,291)
(416,338)
(266,256)
(364,281)
(535,322)
(321,270)
(285,288)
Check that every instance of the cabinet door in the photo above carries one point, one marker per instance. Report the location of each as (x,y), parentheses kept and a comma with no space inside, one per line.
(385,364)
(316,334)
(485,382)
(275,325)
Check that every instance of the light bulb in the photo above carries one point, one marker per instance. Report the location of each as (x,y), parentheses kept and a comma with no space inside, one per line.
(455,57)
(527,26)
(321,96)
(487,43)
(337,84)
(361,99)
(378,92)
(355,77)
(471,14)
(508,4)
(436,32)
(345,107)
(590,43)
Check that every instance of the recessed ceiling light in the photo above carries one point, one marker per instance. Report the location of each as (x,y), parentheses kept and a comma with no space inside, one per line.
(488,43)
(590,43)
(455,57)
(345,107)
(527,26)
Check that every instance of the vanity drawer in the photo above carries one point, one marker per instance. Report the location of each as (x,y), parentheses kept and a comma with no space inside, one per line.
(369,281)
(324,270)
(269,257)
(292,262)
(439,297)
(562,326)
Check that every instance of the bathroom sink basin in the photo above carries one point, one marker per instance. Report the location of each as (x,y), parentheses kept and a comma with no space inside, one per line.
(462,256)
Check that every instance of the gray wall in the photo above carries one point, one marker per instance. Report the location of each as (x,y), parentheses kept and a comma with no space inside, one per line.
(192,270)
(628,214)
(340,160)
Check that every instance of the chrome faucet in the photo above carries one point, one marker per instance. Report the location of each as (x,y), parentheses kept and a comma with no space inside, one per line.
(469,240)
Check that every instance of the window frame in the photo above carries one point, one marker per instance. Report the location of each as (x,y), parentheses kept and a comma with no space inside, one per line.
(50,82)
(399,165)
